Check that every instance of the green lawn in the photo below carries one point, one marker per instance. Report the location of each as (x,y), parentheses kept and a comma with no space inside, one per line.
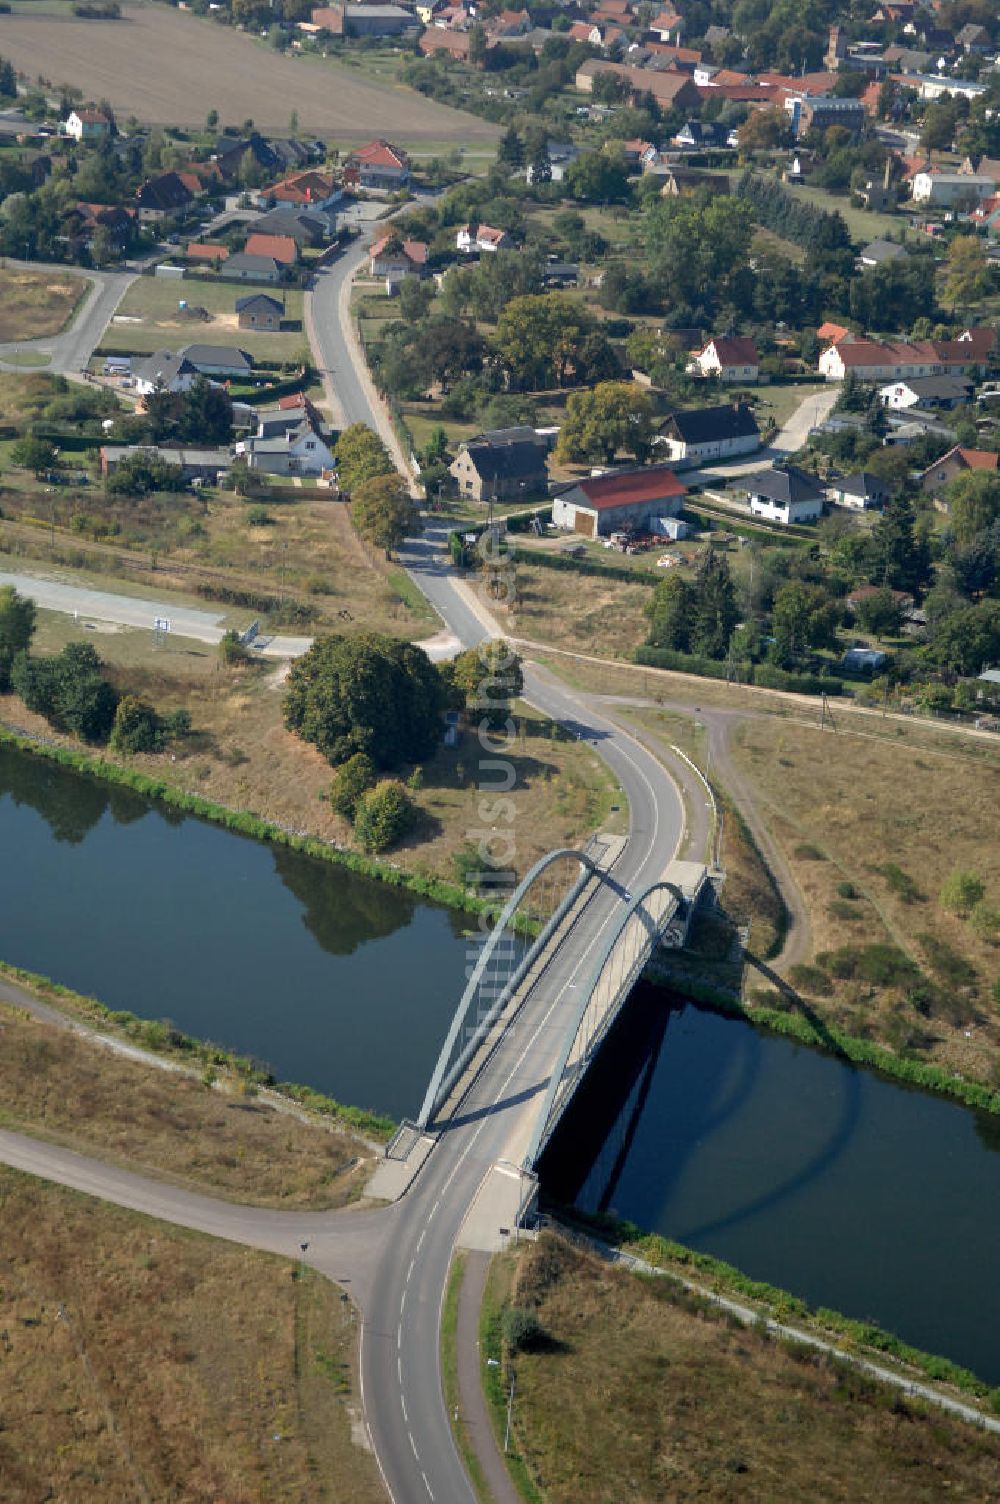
(155,300)
(862,223)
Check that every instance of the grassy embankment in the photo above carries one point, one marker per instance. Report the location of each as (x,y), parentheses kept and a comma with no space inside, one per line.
(198,1120)
(142,1361)
(640,1389)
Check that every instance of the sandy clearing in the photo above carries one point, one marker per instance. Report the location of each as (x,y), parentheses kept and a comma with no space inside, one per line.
(162,65)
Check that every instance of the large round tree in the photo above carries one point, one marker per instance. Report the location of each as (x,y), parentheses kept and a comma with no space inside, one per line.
(366,693)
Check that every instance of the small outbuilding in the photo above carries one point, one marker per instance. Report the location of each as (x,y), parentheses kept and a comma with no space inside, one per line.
(620,500)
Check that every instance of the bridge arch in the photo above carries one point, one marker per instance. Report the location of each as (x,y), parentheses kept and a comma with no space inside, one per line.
(447,1071)
(634,954)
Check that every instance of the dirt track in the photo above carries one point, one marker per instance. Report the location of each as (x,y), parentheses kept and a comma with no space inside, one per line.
(164,66)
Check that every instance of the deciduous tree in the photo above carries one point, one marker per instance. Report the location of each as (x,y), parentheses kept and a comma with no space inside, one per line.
(383,512)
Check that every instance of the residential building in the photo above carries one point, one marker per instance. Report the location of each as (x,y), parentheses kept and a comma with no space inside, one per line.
(454,43)
(280,248)
(877,252)
(702,135)
(819,112)
(304,190)
(197,464)
(668,26)
(671,90)
(709,433)
(472,237)
(860,491)
(88,125)
(378,164)
(863,660)
(207,250)
(943,392)
(946,189)
(619,500)
(786,495)
(395,259)
(730,358)
(164,371)
(258,311)
(898,360)
(218,360)
(297,449)
(560,155)
(309,228)
(679,182)
(244,268)
(502,466)
(954,463)
(161,196)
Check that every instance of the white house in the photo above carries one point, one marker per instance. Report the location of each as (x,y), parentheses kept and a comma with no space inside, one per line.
(298,451)
(87,125)
(709,433)
(860,491)
(164,371)
(926,391)
(787,495)
(945,189)
(732,358)
(471,238)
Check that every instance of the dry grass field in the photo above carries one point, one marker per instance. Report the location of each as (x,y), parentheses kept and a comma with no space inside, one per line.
(643,1393)
(585,614)
(143,1362)
(167,67)
(67,1089)
(35,303)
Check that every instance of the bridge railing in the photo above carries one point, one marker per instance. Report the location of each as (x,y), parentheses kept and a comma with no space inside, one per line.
(488,989)
(639,929)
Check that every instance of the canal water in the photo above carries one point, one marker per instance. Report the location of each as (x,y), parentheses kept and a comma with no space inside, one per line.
(847,1189)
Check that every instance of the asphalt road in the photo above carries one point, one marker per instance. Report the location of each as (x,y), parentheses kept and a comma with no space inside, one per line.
(70,351)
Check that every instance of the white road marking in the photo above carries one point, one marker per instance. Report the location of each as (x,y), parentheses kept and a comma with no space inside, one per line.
(426,1484)
(413,1444)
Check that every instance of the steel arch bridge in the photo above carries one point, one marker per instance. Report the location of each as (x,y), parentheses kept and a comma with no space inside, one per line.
(501,968)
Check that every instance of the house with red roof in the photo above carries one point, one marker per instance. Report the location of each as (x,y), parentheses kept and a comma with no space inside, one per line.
(281,248)
(955,462)
(896,360)
(303,190)
(668,26)
(729,358)
(472,237)
(438,39)
(619,501)
(207,250)
(378,164)
(394,259)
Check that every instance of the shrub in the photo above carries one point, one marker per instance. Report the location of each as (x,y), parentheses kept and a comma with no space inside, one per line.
(810,979)
(840,909)
(946,963)
(522,1329)
(961,892)
(232,649)
(846,890)
(259,516)
(901,883)
(807,852)
(69,690)
(984,921)
(137,727)
(383,815)
(351,781)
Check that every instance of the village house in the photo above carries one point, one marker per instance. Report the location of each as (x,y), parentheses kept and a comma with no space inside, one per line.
(393,258)
(197,464)
(258,311)
(378,164)
(943,190)
(280,248)
(709,433)
(244,268)
(88,125)
(293,447)
(942,392)
(212,251)
(954,463)
(304,190)
(507,464)
(620,501)
(786,495)
(671,90)
(860,491)
(898,360)
(730,358)
(472,238)
(161,196)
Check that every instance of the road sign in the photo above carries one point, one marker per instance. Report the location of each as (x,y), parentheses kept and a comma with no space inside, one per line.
(161,623)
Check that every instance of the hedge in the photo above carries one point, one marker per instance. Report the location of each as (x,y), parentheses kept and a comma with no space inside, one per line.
(583,566)
(763,675)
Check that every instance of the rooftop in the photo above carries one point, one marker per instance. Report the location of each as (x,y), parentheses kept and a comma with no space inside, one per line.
(622,488)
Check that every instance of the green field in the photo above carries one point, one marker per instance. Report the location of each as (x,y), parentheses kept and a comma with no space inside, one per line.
(154,301)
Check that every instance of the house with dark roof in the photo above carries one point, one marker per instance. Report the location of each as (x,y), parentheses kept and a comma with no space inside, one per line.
(244,268)
(161,196)
(307,227)
(709,433)
(163,371)
(619,501)
(941,392)
(258,311)
(218,360)
(860,491)
(507,465)
(876,252)
(786,495)
(732,358)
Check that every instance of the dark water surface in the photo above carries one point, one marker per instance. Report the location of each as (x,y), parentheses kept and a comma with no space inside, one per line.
(328,977)
(853,1192)
(845,1188)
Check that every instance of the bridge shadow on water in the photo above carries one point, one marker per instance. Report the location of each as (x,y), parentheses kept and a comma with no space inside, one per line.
(645,1113)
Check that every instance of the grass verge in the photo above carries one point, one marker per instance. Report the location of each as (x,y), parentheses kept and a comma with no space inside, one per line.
(449,1377)
(497,1373)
